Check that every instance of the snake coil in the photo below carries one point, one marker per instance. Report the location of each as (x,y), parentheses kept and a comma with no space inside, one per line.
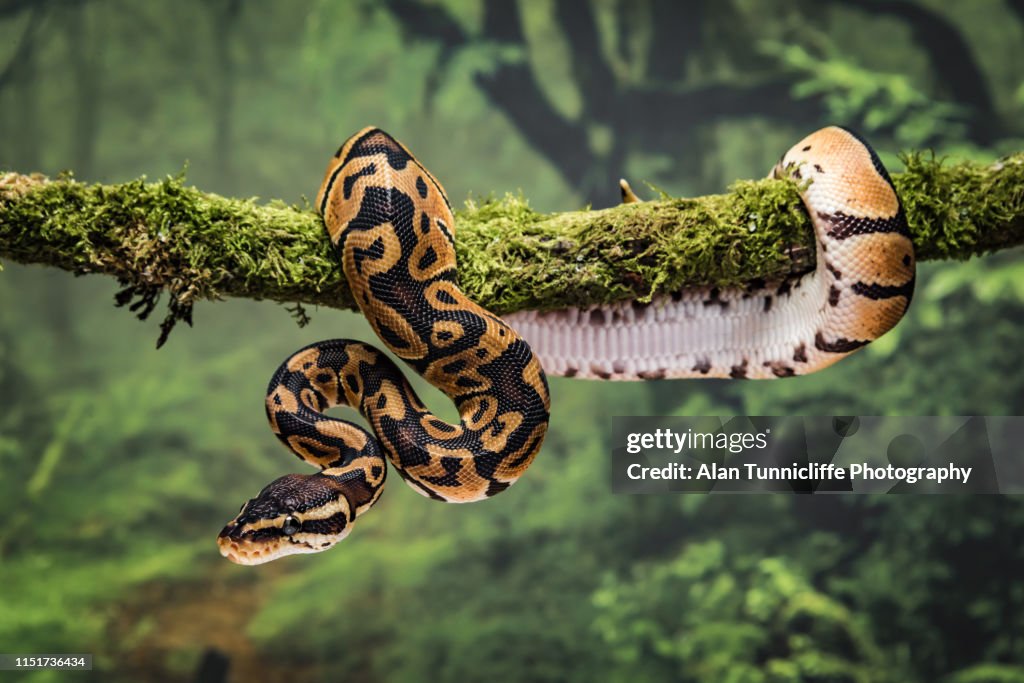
(391,226)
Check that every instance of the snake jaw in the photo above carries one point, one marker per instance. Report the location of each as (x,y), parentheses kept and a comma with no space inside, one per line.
(250,547)
(238,541)
(249,541)
(247,552)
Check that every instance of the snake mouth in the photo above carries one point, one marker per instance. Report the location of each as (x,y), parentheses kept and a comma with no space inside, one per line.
(238,545)
(240,554)
(249,546)
(241,550)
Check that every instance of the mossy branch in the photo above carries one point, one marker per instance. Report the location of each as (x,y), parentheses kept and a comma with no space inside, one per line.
(168,236)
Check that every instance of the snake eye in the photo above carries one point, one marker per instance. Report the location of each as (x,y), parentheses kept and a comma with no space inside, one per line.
(291,525)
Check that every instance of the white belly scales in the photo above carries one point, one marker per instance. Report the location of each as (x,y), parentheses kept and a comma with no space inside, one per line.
(762,333)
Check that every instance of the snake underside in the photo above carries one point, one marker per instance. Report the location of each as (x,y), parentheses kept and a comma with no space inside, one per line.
(861,287)
(392,228)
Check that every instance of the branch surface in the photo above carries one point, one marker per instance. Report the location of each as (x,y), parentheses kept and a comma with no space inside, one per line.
(167,236)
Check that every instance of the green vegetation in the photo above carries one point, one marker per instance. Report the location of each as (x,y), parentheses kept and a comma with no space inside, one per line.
(166,236)
(121,463)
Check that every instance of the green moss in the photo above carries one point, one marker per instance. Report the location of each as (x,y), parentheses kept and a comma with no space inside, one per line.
(511,258)
(166,236)
(961,210)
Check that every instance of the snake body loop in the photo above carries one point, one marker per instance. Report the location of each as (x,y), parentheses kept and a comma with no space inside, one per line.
(391,225)
(860,288)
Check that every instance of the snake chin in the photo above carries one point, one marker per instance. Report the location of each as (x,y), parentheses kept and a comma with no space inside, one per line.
(246,552)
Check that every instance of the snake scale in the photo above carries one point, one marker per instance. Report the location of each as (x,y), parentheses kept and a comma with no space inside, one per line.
(392,228)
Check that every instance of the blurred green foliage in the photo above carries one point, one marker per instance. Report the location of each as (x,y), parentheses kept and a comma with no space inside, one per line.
(120,464)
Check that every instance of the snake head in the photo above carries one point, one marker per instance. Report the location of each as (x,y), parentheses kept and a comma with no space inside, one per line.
(296,513)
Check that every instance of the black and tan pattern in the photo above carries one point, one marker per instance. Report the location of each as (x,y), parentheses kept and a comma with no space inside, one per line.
(391,224)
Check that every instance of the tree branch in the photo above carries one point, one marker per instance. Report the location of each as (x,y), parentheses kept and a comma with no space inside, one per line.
(167,236)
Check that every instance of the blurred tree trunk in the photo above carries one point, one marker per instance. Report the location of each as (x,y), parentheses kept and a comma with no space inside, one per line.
(85,67)
(958,74)
(225,17)
(20,77)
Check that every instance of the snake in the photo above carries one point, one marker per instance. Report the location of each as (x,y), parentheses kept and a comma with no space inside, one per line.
(391,228)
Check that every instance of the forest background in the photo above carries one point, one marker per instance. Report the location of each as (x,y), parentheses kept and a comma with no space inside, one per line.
(120,463)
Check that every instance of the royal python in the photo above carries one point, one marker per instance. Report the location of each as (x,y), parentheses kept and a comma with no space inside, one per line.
(391,226)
